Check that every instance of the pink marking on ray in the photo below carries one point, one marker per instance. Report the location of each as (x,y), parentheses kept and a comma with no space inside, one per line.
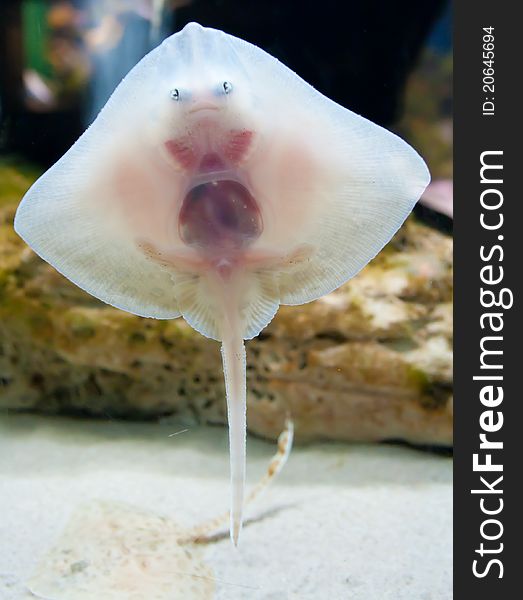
(237,145)
(182,151)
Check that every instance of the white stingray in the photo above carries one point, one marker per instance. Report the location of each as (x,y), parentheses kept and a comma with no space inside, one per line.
(217,184)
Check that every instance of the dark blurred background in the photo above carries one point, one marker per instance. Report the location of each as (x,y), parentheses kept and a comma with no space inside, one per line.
(389,61)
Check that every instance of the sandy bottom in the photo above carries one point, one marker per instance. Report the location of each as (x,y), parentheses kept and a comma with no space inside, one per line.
(356,522)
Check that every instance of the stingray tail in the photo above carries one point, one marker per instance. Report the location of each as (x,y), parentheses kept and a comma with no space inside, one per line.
(233,356)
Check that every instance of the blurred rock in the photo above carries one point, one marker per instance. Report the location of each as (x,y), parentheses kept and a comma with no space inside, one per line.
(371,361)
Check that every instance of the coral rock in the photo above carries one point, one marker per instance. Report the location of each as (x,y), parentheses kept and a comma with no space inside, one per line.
(371,361)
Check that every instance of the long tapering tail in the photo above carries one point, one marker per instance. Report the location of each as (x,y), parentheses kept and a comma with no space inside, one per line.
(234,368)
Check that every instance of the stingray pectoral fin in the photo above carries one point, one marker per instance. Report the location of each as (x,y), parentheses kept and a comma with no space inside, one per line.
(85,217)
(330,178)
(341,191)
(366,189)
(86,213)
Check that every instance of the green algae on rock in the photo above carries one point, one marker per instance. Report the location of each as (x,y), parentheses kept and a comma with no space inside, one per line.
(370,361)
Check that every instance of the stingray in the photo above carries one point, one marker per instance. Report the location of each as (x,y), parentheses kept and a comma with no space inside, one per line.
(216,184)
(114,551)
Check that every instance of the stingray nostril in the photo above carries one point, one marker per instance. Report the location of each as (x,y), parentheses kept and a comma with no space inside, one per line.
(227,87)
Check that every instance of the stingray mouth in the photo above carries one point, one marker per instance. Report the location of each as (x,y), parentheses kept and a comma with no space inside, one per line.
(219,215)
